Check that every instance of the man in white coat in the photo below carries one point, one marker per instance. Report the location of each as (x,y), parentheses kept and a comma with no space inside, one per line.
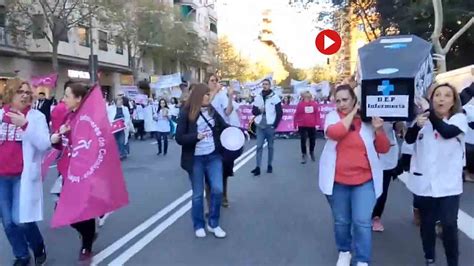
(24,139)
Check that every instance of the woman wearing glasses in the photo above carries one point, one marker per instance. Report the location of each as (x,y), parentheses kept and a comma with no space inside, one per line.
(24,137)
(350,175)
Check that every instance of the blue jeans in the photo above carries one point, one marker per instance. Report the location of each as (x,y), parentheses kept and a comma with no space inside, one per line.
(263,134)
(19,235)
(210,165)
(352,212)
(120,139)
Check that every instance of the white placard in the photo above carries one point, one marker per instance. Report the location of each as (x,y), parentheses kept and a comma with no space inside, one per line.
(387,106)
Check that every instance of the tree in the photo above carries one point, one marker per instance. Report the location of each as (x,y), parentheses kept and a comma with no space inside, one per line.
(50,19)
(155,29)
(419,18)
(437,34)
(230,62)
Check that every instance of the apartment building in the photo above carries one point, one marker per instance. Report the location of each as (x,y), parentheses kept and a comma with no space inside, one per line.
(33,57)
(202,16)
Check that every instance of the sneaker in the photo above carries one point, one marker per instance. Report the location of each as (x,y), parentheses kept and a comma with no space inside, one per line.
(102,219)
(225,202)
(303,159)
(270,169)
(40,257)
(377,225)
(200,233)
(218,232)
(344,259)
(430,262)
(85,256)
(256,171)
(21,262)
(362,264)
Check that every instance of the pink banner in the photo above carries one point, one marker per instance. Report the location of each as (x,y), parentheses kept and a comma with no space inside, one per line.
(48,81)
(94,184)
(118,125)
(286,124)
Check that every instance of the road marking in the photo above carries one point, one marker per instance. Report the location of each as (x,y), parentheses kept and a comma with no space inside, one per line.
(465,222)
(144,241)
(150,221)
(129,253)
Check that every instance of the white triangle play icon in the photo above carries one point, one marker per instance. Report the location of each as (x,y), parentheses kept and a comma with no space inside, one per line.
(328,42)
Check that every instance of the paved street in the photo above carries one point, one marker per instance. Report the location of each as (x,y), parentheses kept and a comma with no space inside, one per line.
(279,219)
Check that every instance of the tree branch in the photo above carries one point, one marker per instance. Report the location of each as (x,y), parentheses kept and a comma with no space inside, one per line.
(457,35)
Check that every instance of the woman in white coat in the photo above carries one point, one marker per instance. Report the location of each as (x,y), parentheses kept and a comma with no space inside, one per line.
(24,138)
(350,175)
(151,125)
(119,111)
(436,169)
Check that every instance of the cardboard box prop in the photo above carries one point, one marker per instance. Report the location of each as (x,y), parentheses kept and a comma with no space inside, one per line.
(393,71)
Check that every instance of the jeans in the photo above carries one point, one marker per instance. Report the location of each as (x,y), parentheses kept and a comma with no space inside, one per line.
(162,137)
(210,165)
(20,236)
(446,210)
(263,134)
(307,133)
(352,212)
(380,205)
(120,139)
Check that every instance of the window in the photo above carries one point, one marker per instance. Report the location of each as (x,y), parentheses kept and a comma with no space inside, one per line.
(84,36)
(103,41)
(118,45)
(3,16)
(61,30)
(38,26)
(213,27)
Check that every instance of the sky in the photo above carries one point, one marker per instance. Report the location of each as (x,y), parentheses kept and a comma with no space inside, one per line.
(294,32)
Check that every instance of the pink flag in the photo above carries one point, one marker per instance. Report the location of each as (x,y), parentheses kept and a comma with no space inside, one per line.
(50,157)
(94,185)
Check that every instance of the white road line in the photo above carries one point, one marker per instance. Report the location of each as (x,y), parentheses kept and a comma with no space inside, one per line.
(465,222)
(148,223)
(129,253)
(140,244)
(139,229)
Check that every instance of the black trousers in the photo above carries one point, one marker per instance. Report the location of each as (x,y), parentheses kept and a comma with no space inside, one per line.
(470,158)
(87,231)
(380,205)
(446,210)
(305,134)
(162,139)
(140,127)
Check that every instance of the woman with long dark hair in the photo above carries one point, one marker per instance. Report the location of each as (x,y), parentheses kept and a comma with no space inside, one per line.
(436,169)
(198,132)
(73,97)
(162,117)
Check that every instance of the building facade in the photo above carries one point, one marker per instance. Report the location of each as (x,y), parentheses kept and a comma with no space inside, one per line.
(34,57)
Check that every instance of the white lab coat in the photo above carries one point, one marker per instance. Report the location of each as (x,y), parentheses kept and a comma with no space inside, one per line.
(437,163)
(151,125)
(112,111)
(35,144)
(327,163)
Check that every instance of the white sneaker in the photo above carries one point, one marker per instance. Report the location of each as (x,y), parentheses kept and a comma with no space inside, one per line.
(362,264)
(218,232)
(200,233)
(103,218)
(344,259)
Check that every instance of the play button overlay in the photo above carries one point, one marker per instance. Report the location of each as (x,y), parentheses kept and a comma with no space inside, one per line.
(328,42)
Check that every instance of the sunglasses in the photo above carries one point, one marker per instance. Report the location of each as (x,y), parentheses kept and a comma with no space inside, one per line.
(24,92)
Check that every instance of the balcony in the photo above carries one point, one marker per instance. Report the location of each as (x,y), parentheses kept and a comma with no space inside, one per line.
(3,36)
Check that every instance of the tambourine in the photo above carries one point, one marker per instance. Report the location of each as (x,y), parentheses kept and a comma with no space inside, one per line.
(232,141)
